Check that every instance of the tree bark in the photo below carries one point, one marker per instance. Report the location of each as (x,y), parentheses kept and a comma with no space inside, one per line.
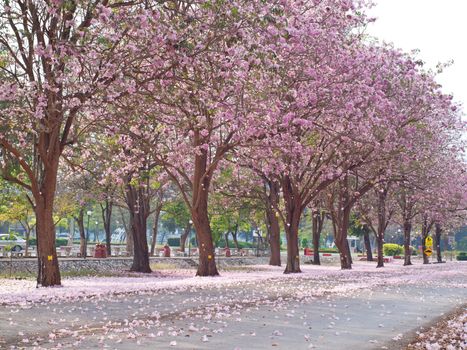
(129,235)
(382,194)
(349,252)
(379,244)
(426,227)
(293,257)
(82,233)
(234,237)
(207,263)
(28,228)
(317,227)
(407,232)
(341,221)
(28,236)
(274,241)
(274,232)
(157,214)
(366,239)
(438,233)
(342,244)
(293,212)
(48,270)
(226,239)
(138,205)
(199,213)
(106,211)
(184,236)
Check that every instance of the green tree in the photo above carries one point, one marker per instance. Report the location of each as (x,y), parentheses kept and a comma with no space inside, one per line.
(360,229)
(15,207)
(177,213)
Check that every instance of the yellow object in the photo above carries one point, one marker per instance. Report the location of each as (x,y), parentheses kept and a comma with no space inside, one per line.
(50,257)
(209,257)
(428,251)
(429,241)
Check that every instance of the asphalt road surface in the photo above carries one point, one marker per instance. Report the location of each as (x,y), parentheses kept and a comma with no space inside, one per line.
(353,311)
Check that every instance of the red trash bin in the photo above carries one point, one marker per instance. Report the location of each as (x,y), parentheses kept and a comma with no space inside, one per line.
(227,252)
(166,251)
(101,251)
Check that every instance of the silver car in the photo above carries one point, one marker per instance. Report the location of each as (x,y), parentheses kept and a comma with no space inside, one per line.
(12,242)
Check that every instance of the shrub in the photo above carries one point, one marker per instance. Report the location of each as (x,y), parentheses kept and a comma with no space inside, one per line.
(246,245)
(462,256)
(462,243)
(173,242)
(391,249)
(221,244)
(304,243)
(59,242)
(328,250)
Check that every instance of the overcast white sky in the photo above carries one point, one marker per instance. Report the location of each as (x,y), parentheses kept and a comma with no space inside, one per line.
(438,28)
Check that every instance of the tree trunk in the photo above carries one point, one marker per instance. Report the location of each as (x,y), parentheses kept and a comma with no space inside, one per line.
(199,211)
(28,236)
(345,259)
(272,202)
(317,227)
(26,247)
(382,194)
(71,231)
(274,241)
(316,238)
(407,252)
(234,238)
(226,239)
(293,257)
(340,238)
(438,242)
(140,247)
(106,211)
(340,222)
(207,262)
(27,228)
(274,232)
(184,236)
(349,252)
(128,234)
(138,205)
(48,270)
(379,243)
(157,214)
(426,227)
(366,239)
(82,232)
(293,212)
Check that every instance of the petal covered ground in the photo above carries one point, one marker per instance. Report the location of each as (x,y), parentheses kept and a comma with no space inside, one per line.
(321,307)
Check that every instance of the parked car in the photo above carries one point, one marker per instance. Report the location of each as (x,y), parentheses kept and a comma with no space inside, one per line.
(63,235)
(13,242)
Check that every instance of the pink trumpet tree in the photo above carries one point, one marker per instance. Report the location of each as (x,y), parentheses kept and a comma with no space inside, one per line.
(316,76)
(194,90)
(377,209)
(53,61)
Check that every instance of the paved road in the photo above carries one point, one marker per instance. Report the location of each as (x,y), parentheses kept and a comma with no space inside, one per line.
(284,313)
